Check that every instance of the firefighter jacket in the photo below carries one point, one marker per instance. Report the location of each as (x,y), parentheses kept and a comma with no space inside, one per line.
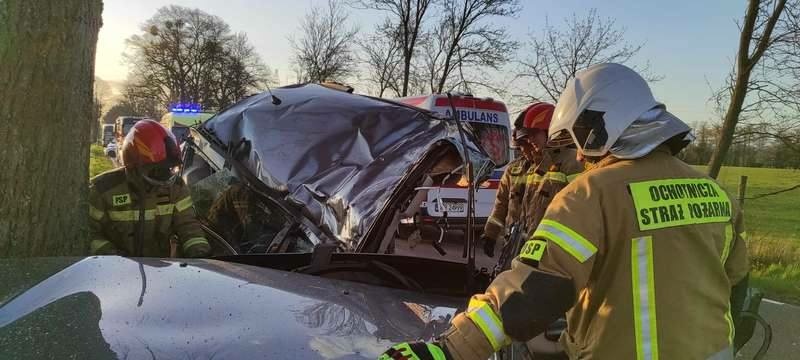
(526,189)
(508,201)
(652,248)
(126,221)
(557,168)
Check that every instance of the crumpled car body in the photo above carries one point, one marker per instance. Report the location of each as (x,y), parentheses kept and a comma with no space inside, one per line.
(350,164)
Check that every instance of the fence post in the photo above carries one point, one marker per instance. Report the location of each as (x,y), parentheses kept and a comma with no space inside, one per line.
(742,190)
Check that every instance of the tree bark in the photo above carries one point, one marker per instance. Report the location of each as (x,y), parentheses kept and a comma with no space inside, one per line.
(47,55)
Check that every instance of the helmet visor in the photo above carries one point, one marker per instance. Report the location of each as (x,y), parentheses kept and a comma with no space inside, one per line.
(160,174)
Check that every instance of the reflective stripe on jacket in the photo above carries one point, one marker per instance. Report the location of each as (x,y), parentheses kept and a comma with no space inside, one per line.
(652,248)
(126,222)
(508,201)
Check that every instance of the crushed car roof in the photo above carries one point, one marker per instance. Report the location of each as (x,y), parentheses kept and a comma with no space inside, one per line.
(341,156)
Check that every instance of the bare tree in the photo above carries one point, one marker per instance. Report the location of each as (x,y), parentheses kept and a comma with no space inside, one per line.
(406,16)
(325,50)
(187,55)
(382,59)
(558,53)
(466,40)
(47,55)
(768,66)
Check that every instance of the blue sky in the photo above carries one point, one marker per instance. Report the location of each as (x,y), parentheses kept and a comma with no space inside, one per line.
(690,43)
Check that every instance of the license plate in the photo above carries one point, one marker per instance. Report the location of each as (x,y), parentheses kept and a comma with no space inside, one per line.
(454,207)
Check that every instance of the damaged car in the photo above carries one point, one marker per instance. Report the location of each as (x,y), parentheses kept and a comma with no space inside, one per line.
(301,191)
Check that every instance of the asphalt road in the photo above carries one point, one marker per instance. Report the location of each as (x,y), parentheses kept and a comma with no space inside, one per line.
(785,322)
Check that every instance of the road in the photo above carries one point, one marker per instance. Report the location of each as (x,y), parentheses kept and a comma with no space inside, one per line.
(785,322)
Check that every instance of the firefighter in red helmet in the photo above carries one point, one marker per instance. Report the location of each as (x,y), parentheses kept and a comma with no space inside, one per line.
(138,209)
(530,181)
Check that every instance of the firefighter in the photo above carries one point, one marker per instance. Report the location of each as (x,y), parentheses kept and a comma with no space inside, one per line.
(137,209)
(530,181)
(553,167)
(645,253)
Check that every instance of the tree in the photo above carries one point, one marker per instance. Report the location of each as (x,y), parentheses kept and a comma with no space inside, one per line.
(119,109)
(382,59)
(47,55)
(557,54)
(406,17)
(325,50)
(186,55)
(464,39)
(768,53)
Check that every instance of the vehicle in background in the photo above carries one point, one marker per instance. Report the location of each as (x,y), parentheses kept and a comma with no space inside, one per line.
(108,134)
(490,120)
(123,124)
(182,116)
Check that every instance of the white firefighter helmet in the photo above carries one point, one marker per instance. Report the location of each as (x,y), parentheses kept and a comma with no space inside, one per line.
(598,105)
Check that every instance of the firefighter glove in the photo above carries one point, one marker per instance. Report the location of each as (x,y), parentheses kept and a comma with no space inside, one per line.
(416,351)
(488,246)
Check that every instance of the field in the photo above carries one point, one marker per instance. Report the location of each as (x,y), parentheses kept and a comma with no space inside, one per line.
(773,229)
(98,162)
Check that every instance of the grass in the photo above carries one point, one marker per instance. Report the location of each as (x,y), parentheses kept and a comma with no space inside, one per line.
(773,228)
(98,162)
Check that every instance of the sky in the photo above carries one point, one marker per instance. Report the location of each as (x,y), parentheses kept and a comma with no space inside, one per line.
(690,43)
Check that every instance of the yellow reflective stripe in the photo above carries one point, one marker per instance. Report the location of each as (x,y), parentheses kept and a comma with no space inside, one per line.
(533,250)
(731,328)
(184,204)
(149,214)
(96,213)
(572,177)
(534,179)
(488,322)
(644,301)
(96,245)
(556,176)
(495,221)
(194,241)
(566,238)
(126,215)
(677,202)
(162,210)
(726,248)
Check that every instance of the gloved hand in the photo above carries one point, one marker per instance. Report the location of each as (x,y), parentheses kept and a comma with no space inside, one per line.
(488,246)
(416,351)
(198,251)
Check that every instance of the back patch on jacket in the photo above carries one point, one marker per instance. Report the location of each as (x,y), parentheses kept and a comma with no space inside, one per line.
(675,202)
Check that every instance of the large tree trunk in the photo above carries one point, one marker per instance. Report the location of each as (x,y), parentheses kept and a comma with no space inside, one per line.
(47,51)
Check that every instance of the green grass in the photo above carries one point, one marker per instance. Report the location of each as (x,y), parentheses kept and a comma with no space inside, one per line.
(98,162)
(773,228)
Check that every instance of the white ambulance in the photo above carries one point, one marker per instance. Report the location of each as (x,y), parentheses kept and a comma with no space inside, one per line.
(490,119)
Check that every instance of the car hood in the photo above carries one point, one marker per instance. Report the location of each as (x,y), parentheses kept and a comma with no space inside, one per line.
(114,307)
(342,158)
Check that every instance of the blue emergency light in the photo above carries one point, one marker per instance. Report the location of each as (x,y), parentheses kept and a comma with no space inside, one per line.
(186,108)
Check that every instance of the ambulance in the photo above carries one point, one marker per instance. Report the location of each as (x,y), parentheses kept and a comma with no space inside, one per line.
(490,119)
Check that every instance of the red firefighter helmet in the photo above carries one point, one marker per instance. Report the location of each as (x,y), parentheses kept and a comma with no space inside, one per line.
(151,150)
(536,117)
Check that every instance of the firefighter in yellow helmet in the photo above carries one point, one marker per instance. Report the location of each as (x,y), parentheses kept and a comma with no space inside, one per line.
(643,253)
(529,182)
(136,210)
